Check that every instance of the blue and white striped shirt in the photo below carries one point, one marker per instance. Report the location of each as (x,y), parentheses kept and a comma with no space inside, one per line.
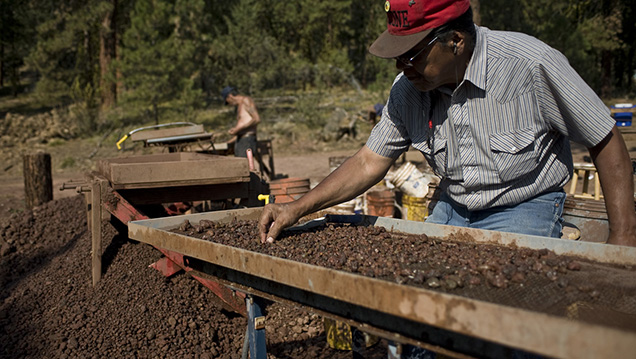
(503,135)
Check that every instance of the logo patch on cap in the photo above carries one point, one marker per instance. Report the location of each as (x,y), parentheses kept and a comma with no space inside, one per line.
(387,6)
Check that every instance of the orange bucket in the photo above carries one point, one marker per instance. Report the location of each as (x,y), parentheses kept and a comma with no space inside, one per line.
(288,189)
(380,203)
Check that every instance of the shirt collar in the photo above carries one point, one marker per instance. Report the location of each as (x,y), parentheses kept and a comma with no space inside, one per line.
(476,70)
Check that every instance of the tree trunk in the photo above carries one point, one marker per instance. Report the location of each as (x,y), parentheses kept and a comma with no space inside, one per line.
(606,74)
(38,184)
(1,64)
(108,52)
(474,4)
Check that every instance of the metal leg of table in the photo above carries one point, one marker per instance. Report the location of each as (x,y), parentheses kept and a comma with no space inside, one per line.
(256,329)
(394,350)
(358,343)
(399,351)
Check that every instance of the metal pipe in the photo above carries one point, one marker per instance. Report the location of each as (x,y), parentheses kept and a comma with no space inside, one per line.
(250,159)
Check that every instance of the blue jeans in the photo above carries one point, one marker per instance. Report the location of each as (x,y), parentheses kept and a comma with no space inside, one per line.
(539,216)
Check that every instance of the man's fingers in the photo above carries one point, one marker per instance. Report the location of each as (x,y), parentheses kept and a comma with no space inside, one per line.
(274,219)
(274,231)
(270,239)
(265,223)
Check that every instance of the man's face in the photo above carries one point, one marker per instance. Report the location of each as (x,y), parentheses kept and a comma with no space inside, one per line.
(230,100)
(431,68)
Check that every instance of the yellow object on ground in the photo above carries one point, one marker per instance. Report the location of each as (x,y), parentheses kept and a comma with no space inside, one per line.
(339,335)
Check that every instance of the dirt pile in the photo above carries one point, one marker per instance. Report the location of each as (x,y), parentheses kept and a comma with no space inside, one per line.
(48,307)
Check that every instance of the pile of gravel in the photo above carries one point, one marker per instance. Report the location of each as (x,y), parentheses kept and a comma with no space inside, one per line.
(49,308)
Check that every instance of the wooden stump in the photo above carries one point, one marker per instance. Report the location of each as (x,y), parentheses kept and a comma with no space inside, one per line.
(38,184)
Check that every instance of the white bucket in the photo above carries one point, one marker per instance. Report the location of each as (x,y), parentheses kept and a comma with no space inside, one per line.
(410,180)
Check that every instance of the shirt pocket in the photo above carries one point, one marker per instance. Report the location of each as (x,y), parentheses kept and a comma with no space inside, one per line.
(513,154)
(435,154)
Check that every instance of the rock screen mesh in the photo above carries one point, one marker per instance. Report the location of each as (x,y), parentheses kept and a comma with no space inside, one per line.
(535,280)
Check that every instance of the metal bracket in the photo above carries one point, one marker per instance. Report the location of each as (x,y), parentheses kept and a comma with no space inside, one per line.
(259,323)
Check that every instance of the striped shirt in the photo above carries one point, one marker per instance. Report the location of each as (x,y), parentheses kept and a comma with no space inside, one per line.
(502,136)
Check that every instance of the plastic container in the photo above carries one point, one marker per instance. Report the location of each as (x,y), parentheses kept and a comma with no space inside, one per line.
(623,114)
(410,180)
(344,208)
(414,208)
(381,203)
(288,189)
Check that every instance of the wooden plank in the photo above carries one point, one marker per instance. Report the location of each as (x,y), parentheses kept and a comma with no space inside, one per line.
(207,192)
(182,183)
(96,228)
(166,132)
(177,168)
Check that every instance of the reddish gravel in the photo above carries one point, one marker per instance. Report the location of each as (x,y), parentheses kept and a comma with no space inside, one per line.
(49,309)
(537,280)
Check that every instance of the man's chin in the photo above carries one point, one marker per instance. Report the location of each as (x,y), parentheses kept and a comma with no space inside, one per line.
(422,86)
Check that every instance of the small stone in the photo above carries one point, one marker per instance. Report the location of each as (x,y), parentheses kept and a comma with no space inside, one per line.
(72,343)
(574,266)
(451,284)
(433,282)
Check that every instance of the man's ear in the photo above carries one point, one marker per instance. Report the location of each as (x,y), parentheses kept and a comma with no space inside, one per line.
(457,43)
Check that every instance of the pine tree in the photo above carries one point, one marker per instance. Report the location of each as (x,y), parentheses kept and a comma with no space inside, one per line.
(157,54)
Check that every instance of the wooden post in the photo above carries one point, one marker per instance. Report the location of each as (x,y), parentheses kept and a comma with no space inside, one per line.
(96,230)
(38,184)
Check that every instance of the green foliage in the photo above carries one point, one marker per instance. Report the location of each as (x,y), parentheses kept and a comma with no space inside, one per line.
(158,50)
(67,162)
(300,45)
(65,53)
(174,56)
(584,31)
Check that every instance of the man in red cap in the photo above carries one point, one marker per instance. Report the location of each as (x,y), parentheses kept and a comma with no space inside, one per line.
(493,113)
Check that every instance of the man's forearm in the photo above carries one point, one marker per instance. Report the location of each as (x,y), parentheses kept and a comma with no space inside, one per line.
(616,176)
(352,178)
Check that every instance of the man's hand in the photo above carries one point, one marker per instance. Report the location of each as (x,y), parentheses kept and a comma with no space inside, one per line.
(232,140)
(353,177)
(274,219)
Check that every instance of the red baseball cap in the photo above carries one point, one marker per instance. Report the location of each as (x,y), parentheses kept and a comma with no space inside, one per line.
(410,21)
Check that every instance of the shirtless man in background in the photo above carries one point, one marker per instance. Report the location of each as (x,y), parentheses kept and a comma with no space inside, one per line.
(247,119)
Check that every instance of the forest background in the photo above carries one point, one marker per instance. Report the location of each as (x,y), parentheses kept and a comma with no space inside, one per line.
(96,69)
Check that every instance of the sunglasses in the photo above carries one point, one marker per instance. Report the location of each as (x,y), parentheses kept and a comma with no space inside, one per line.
(408,62)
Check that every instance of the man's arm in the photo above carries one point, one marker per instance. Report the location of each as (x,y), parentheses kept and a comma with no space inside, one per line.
(353,177)
(615,171)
